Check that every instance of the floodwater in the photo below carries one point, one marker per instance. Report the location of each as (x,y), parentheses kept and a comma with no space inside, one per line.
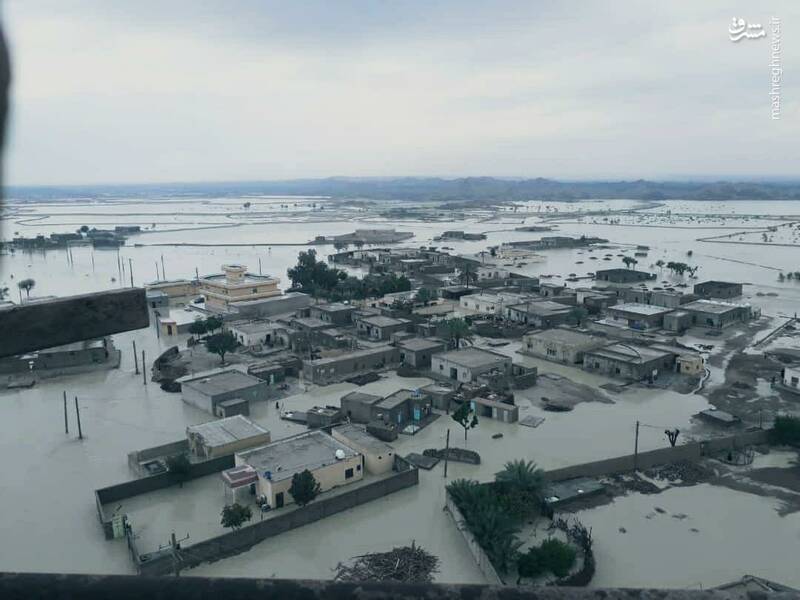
(49,522)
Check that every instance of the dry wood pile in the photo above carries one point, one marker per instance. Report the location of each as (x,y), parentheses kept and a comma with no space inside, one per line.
(407,564)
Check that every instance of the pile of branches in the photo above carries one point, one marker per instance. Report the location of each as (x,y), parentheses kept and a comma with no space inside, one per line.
(407,564)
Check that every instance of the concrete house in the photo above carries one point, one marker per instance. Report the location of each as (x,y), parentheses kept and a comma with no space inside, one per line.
(357,406)
(790,377)
(225,436)
(491,304)
(334,314)
(253,334)
(492,408)
(347,364)
(399,408)
(467,364)
(560,345)
(235,284)
(378,456)
(617,277)
(550,289)
(68,356)
(638,316)
(717,315)
(212,390)
(379,328)
(629,361)
(330,461)
(655,297)
(542,313)
(718,289)
(417,352)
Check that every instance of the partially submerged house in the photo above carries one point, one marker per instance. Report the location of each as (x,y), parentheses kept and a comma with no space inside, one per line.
(629,361)
(224,391)
(378,456)
(341,366)
(417,352)
(400,408)
(225,436)
(718,289)
(560,344)
(467,364)
(541,314)
(335,313)
(717,315)
(379,328)
(638,316)
(330,461)
(621,277)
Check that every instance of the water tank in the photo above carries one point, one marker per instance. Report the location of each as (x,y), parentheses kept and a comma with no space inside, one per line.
(339,454)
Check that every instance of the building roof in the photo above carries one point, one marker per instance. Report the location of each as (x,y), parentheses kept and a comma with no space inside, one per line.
(221,382)
(394,399)
(542,308)
(75,346)
(311,323)
(362,397)
(629,353)
(473,357)
(247,279)
(719,415)
(283,458)
(257,327)
(636,308)
(334,307)
(718,283)
(419,344)
(566,336)
(712,306)
(349,355)
(357,434)
(226,431)
(379,321)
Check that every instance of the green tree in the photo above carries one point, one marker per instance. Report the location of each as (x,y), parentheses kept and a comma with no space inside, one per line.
(578,314)
(84,228)
(558,556)
(425,295)
(213,323)
(198,328)
(660,264)
(3,292)
(521,474)
(466,417)
(457,330)
(304,487)
(221,343)
(467,274)
(180,467)
(27,285)
(235,515)
(629,261)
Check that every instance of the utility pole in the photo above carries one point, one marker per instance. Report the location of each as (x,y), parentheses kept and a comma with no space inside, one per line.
(130,268)
(197,274)
(157,275)
(259,265)
(135,358)
(78,413)
(446,452)
(92,261)
(66,422)
(144,370)
(175,546)
(636,449)
(163,272)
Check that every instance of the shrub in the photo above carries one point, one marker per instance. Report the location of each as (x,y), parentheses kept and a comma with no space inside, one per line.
(786,430)
(552,555)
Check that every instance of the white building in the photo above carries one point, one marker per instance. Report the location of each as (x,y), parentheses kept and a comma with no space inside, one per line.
(791,378)
(490,304)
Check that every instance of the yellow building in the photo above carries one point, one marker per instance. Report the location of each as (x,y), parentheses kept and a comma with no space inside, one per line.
(235,284)
(175,288)
(331,462)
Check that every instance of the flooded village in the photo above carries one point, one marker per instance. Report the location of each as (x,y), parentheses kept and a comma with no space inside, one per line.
(532,392)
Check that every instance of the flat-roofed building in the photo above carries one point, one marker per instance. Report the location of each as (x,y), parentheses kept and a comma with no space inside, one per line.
(330,461)
(560,345)
(225,436)
(467,364)
(335,313)
(347,364)
(417,352)
(621,277)
(379,328)
(208,391)
(716,314)
(629,361)
(378,455)
(542,313)
(236,284)
(253,333)
(638,316)
(718,289)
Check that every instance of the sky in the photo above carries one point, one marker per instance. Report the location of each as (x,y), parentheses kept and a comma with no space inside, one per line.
(144,91)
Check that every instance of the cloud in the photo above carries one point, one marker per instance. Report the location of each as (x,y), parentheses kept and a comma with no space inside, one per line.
(169,91)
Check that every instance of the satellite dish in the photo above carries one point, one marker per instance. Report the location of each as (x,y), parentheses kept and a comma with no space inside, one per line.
(339,454)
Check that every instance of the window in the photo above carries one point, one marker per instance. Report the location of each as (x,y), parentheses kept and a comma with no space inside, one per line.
(255,290)
(348,474)
(358,467)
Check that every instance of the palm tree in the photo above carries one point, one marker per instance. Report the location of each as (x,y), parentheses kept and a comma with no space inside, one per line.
(457,330)
(3,293)
(522,475)
(467,274)
(27,285)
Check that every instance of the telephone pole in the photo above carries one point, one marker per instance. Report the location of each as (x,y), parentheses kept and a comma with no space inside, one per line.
(78,413)
(130,269)
(135,358)
(66,422)
(163,272)
(446,452)
(144,370)
(636,449)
